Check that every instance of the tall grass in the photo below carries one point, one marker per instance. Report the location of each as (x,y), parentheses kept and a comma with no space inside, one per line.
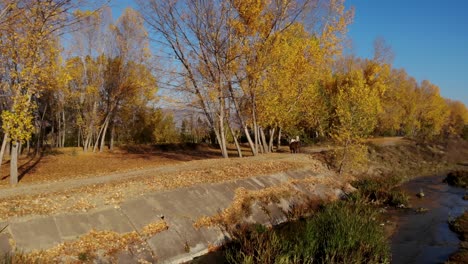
(383,190)
(342,232)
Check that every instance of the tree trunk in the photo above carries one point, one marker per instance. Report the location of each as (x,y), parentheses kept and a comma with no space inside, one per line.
(272,134)
(243,124)
(111,143)
(40,133)
(255,128)
(255,136)
(239,150)
(263,140)
(87,142)
(103,136)
(54,138)
(279,140)
(20,149)
(249,139)
(58,143)
(14,164)
(79,137)
(64,133)
(8,150)
(223,146)
(98,136)
(2,151)
(28,145)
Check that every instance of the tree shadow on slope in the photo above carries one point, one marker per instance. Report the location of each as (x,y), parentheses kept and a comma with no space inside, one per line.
(177,151)
(25,167)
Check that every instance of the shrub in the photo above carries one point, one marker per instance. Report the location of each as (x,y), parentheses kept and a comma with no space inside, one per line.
(383,190)
(457,178)
(345,233)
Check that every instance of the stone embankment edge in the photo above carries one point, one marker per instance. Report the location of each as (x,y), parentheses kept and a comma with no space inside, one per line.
(180,208)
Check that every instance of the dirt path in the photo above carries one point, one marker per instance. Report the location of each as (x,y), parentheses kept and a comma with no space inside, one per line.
(37,188)
(194,165)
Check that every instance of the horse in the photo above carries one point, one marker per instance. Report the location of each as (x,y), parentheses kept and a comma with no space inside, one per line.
(295,146)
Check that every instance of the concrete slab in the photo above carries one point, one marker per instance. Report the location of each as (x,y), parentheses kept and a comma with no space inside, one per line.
(110,220)
(268,181)
(135,255)
(167,245)
(300,174)
(140,212)
(72,226)
(277,216)
(173,204)
(249,184)
(39,233)
(5,246)
(213,235)
(258,215)
(189,203)
(281,177)
(261,184)
(184,227)
(220,197)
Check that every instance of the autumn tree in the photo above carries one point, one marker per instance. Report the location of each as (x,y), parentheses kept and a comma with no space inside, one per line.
(29,48)
(195,33)
(356,108)
(128,79)
(457,119)
(287,94)
(110,69)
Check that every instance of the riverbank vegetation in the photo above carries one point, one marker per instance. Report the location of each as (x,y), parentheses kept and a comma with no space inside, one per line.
(344,231)
(341,232)
(458,178)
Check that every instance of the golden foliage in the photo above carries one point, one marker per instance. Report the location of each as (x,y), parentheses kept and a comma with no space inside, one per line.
(18,121)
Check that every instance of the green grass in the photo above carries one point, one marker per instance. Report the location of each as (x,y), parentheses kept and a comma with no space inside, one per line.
(341,232)
(382,190)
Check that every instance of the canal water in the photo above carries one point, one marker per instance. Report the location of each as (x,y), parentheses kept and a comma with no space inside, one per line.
(426,237)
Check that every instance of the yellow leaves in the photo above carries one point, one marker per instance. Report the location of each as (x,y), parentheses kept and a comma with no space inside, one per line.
(458,117)
(249,11)
(335,29)
(18,121)
(288,85)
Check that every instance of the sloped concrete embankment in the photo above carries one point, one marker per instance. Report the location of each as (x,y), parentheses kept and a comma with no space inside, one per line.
(179,208)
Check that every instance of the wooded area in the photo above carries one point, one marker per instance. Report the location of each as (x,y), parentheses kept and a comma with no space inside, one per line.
(255,70)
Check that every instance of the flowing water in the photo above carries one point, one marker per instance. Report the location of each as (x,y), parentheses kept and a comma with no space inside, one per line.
(426,237)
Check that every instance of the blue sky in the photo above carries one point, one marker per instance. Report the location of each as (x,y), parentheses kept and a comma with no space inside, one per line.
(429,38)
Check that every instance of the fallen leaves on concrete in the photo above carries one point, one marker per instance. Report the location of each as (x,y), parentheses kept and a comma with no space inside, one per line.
(94,245)
(84,198)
